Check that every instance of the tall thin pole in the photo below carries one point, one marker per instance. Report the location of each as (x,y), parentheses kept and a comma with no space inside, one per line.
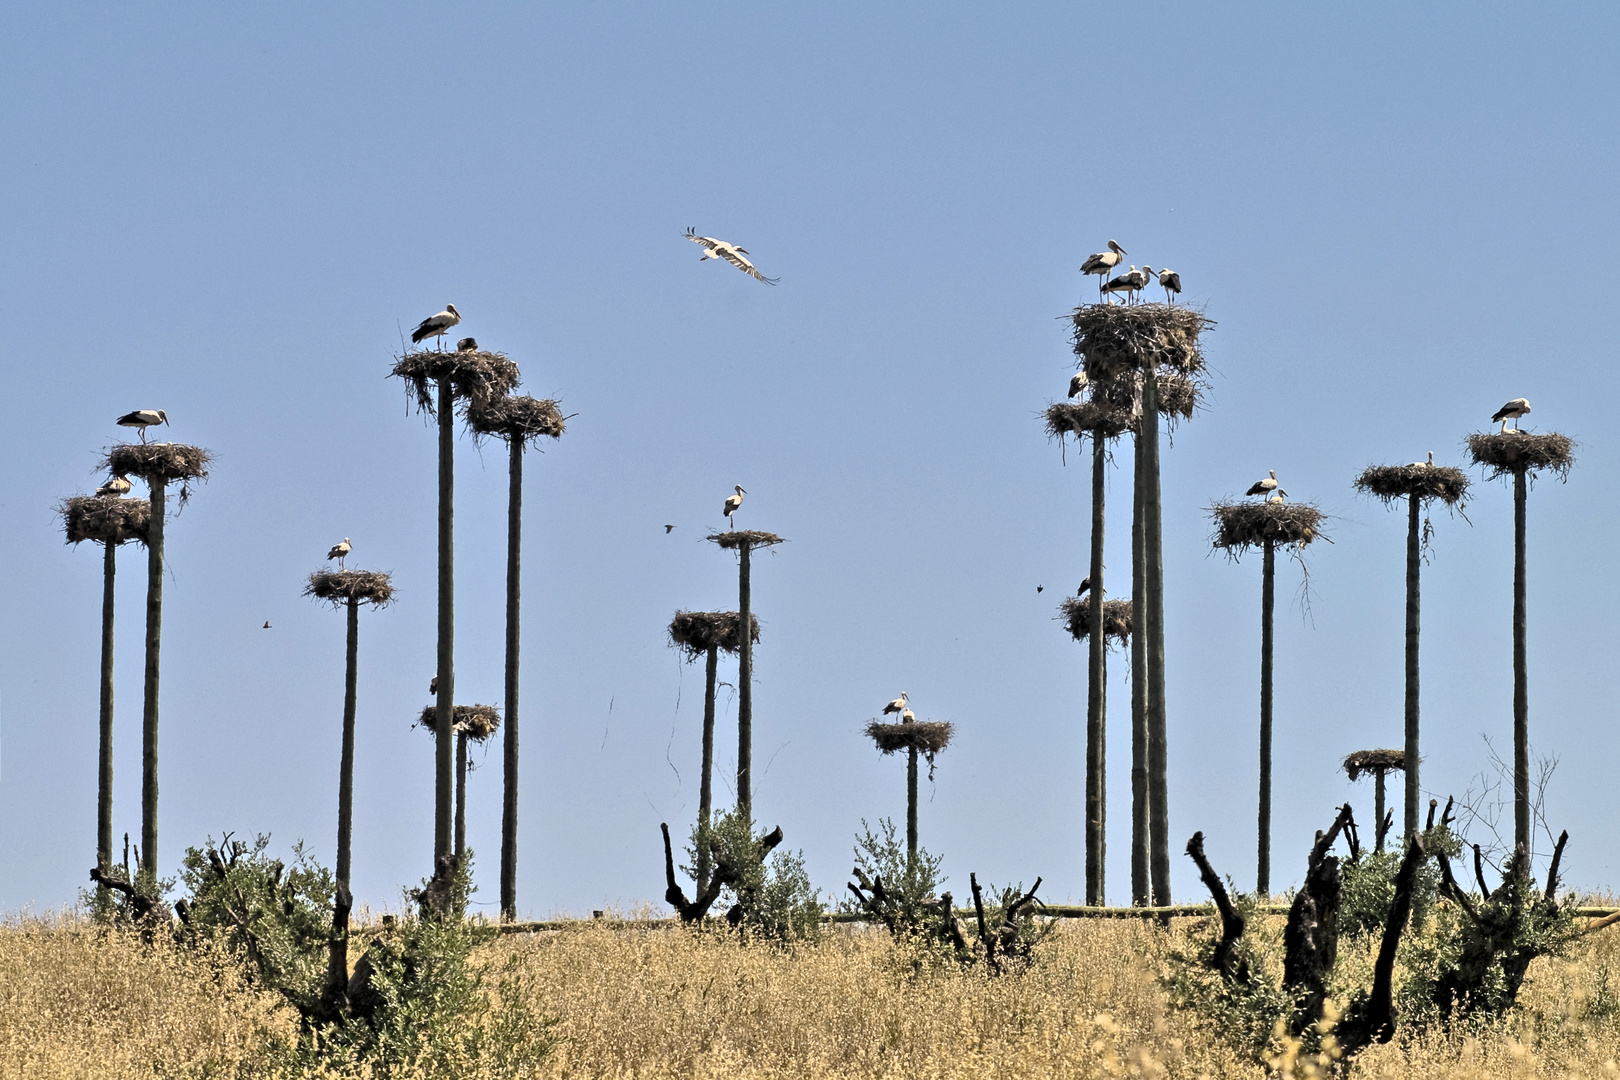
(1268,600)
(1521,689)
(1413,562)
(461,795)
(149,704)
(1096,684)
(1158,749)
(1140,802)
(104,761)
(443,716)
(705,782)
(911,806)
(1378,811)
(509,759)
(745,689)
(346,759)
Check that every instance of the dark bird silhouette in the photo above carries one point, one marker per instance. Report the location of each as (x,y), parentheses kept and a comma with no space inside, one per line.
(668,529)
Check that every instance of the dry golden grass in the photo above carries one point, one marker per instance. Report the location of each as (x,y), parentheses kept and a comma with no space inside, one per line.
(660,1002)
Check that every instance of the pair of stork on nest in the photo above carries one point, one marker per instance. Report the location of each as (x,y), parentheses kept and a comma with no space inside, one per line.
(901,705)
(1133,281)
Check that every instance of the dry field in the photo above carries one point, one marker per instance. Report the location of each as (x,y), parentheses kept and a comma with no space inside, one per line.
(655,1002)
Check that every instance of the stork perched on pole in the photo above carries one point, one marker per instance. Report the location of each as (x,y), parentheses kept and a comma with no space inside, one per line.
(1103,263)
(436,326)
(719,249)
(1511,411)
(733,502)
(1264,487)
(1124,283)
(340,552)
(1170,282)
(145,418)
(897,705)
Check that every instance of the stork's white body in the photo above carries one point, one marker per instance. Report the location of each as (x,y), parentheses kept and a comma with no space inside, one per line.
(1125,283)
(1278,497)
(1511,411)
(1170,282)
(143,419)
(907,716)
(117,488)
(340,552)
(1264,487)
(1078,383)
(1102,264)
(436,326)
(733,503)
(736,256)
(897,705)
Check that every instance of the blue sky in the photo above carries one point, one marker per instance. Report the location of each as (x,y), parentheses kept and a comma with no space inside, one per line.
(1398,218)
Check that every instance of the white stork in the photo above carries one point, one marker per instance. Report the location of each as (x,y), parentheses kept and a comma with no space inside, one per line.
(143,419)
(1423,464)
(1511,411)
(907,716)
(1078,383)
(436,326)
(1103,263)
(467,344)
(1143,276)
(1085,586)
(1264,487)
(733,502)
(340,552)
(433,685)
(1278,496)
(897,705)
(1124,283)
(115,488)
(719,249)
(1170,282)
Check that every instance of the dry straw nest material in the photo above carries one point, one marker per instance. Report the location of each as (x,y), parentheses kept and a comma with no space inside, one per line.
(1374,761)
(925,736)
(105,519)
(520,417)
(338,587)
(736,538)
(697,632)
(158,461)
(1089,416)
(475,376)
(478,721)
(1427,482)
(1118,616)
(1505,453)
(1112,339)
(1242,525)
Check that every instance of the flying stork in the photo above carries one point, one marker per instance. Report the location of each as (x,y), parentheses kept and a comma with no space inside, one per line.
(117,488)
(436,326)
(897,705)
(733,502)
(143,419)
(719,249)
(1511,411)
(1103,263)
(340,552)
(1264,487)
(1170,282)
(1078,383)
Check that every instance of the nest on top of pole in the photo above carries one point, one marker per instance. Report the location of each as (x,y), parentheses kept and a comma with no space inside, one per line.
(520,417)
(338,587)
(1115,339)
(927,737)
(1392,482)
(1507,452)
(1374,761)
(159,462)
(1118,618)
(106,519)
(735,538)
(475,375)
(696,632)
(1240,526)
(1088,416)
(479,722)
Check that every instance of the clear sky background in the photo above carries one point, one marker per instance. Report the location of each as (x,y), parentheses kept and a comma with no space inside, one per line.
(1398,216)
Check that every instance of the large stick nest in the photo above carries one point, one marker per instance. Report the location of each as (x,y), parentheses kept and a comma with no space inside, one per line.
(1427,482)
(523,418)
(158,461)
(105,519)
(925,736)
(475,376)
(1374,761)
(1118,618)
(1505,453)
(1089,416)
(1242,525)
(338,587)
(478,721)
(1111,339)
(699,631)
(735,538)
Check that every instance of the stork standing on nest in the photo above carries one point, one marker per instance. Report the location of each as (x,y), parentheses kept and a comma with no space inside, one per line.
(1278,496)
(1143,276)
(1511,411)
(340,552)
(436,326)
(897,705)
(1122,284)
(1424,464)
(145,418)
(907,716)
(1078,383)
(1102,264)
(116,488)
(719,249)
(467,344)
(733,503)
(1264,487)
(1170,282)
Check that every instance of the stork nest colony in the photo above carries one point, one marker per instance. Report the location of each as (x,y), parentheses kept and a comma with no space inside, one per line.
(1391,482)
(523,418)
(736,538)
(478,722)
(474,376)
(699,631)
(105,519)
(924,736)
(158,461)
(1505,453)
(1242,525)
(338,587)
(1114,407)
(1117,615)
(1112,339)
(1374,761)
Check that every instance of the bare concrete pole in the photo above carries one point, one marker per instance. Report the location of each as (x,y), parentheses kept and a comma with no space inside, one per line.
(706,783)
(1414,559)
(149,705)
(1521,686)
(444,715)
(509,757)
(911,806)
(1141,803)
(745,688)
(346,756)
(1158,743)
(1096,689)
(104,760)
(1268,602)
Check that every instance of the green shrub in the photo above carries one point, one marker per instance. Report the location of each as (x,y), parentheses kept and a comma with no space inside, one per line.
(769,898)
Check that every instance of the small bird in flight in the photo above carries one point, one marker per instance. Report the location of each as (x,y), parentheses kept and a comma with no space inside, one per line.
(145,418)
(267,624)
(719,249)
(340,552)
(436,326)
(668,529)
(1040,588)
(117,488)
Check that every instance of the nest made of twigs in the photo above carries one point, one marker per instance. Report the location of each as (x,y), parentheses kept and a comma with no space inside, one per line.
(735,538)
(520,417)
(1427,482)
(696,632)
(338,587)
(1111,339)
(158,461)
(478,721)
(1374,761)
(1089,416)
(105,519)
(1242,525)
(475,376)
(1118,618)
(925,736)
(1505,453)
